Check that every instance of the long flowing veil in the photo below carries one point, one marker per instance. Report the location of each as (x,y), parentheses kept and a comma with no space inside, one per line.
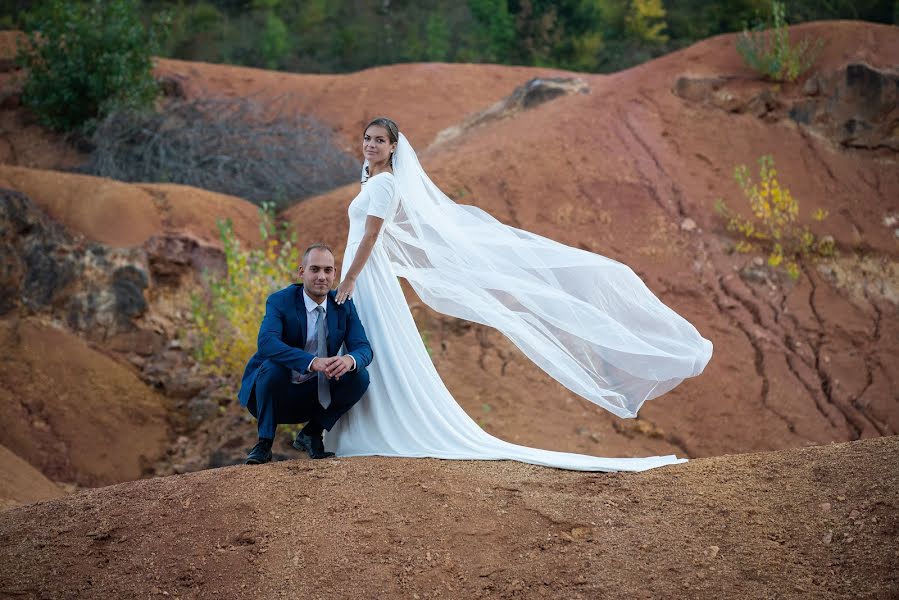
(588,321)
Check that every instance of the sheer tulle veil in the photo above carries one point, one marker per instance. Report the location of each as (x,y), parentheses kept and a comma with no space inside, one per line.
(588,321)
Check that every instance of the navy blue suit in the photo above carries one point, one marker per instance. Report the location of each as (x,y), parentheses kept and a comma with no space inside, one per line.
(266,389)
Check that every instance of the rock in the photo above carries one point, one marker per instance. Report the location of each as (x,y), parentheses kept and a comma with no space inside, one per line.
(128,285)
(811,86)
(688,224)
(825,506)
(828,537)
(200,410)
(140,341)
(697,89)
(852,106)
(754,273)
(169,257)
(525,97)
(96,290)
(187,385)
(171,86)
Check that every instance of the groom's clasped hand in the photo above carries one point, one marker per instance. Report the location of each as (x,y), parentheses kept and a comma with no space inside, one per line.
(333,366)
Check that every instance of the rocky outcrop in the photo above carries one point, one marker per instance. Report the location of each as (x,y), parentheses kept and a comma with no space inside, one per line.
(95,290)
(855,106)
(105,294)
(525,97)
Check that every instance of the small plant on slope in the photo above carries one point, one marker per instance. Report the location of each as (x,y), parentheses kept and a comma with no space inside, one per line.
(773,225)
(768,49)
(226,318)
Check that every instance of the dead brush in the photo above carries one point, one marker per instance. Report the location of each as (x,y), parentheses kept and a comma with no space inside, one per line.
(257,150)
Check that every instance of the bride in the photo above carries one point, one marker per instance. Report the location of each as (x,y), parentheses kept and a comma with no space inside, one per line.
(588,321)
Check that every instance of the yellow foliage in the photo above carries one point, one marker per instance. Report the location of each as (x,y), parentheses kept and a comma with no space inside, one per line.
(226,318)
(646,20)
(773,224)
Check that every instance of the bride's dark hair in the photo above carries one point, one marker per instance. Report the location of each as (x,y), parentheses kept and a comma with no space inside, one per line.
(393,132)
(392,129)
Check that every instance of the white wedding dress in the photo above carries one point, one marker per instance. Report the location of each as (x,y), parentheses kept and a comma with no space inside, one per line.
(407,410)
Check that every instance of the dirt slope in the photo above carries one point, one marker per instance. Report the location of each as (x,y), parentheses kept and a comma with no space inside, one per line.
(813,523)
(628,171)
(124,214)
(20,483)
(430,96)
(72,412)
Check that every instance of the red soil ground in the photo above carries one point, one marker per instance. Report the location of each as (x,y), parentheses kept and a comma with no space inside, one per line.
(816,523)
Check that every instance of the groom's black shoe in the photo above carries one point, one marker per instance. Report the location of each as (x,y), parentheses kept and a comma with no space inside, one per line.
(312,443)
(261,452)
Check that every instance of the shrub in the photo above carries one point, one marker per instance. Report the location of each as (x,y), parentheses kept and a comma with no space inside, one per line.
(646,21)
(258,151)
(773,223)
(226,317)
(769,51)
(86,60)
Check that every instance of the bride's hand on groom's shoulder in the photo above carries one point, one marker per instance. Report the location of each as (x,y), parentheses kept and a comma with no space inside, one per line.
(345,290)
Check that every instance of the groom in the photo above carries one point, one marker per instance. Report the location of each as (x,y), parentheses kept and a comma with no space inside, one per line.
(296,375)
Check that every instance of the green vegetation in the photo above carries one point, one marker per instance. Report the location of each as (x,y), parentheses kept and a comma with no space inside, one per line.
(773,225)
(768,50)
(226,318)
(86,60)
(332,36)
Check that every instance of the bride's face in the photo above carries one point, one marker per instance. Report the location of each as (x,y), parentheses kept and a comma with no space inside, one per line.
(376,145)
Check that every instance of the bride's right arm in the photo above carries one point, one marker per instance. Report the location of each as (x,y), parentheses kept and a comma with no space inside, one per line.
(372,230)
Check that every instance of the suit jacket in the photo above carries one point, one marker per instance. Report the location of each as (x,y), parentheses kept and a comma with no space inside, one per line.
(282,335)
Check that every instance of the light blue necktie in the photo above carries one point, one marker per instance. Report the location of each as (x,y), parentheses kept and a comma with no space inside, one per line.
(321,337)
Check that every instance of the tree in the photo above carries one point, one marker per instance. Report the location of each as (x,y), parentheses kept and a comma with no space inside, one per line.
(85,60)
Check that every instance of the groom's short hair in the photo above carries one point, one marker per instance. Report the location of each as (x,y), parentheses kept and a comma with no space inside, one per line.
(317,246)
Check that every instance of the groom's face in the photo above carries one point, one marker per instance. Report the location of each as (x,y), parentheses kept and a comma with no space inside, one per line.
(318,272)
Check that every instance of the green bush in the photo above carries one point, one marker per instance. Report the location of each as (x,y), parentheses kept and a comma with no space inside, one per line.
(85,60)
(769,51)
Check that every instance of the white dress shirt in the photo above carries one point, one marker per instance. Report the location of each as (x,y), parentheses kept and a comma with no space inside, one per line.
(311,345)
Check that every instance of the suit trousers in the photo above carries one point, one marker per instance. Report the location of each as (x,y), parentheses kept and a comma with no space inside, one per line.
(274,400)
